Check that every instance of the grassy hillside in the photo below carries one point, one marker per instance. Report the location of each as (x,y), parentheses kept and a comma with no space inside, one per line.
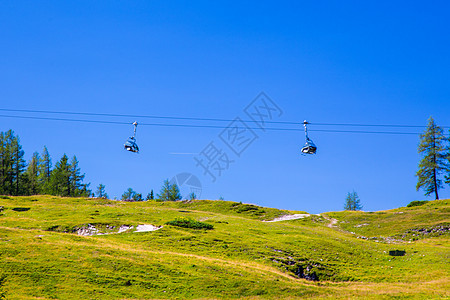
(42,257)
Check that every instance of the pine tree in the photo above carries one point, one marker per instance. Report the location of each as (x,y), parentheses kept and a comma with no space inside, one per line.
(164,194)
(60,182)
(101,192)
(175,192)
(33,174)
(45,170)
(12,164)
(76,179)
(434,159)
(169,192)
(150,196)
(18,163)
(137,197)
(352,202)
(129,194)
(4,162)
(192,196)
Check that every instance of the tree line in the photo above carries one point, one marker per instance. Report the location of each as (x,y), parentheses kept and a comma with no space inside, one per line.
(17,178)
(169,192)
(38,176)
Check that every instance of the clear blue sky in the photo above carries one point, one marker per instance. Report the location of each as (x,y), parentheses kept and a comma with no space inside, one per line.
(383,62)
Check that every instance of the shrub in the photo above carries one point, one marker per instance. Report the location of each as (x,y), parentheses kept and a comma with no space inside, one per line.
(247,208)
(417,203)
(189,223)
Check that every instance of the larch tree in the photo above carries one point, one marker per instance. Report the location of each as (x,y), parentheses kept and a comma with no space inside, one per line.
(164,194)
(4,162)
(434,160)
(12,164)
(129,194)
(169,192)
(45,171)
(175,192)
(18,164)
(150,196)
(76,178)
(352,202)
(33,174)
(101,191)
(60,182)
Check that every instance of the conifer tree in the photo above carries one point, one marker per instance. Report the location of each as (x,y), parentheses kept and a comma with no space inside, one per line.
(352,202)
(45,170)
(164,194)
(4,162)
(60,182)
(150,196)
(137,197)
(18,163)
(33,174)
(101,192)
(76,179)
(434,159)
(12,164)
(129,194)
(169,192)
(175,192)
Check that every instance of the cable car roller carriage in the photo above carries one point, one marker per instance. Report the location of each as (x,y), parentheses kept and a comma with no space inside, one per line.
(309,147)
(130,144)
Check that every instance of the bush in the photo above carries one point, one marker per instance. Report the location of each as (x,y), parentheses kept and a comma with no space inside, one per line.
(416,203)
(189,223)
(247,208)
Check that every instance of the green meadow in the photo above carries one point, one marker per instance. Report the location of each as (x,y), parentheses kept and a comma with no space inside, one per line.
(218,250)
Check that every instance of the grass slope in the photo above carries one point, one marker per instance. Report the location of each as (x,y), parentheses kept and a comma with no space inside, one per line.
(241,257)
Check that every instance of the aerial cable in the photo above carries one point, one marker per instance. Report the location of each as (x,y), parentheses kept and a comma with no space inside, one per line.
(369,125)
(137,116)
(207,119)
(208,126)
(64,119)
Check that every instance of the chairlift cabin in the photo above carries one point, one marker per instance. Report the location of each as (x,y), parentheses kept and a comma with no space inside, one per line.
(309,147)
(130,144)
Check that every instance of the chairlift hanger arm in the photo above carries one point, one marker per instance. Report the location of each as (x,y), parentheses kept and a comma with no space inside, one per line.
(135,123)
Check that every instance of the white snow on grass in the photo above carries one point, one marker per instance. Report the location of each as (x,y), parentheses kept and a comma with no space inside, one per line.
(289,217)
(91,230)
(124,228)
(146,228)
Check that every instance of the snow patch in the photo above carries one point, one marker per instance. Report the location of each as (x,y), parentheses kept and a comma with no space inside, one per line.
(90,230)
(124,228)
(289,217)
(146,228)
